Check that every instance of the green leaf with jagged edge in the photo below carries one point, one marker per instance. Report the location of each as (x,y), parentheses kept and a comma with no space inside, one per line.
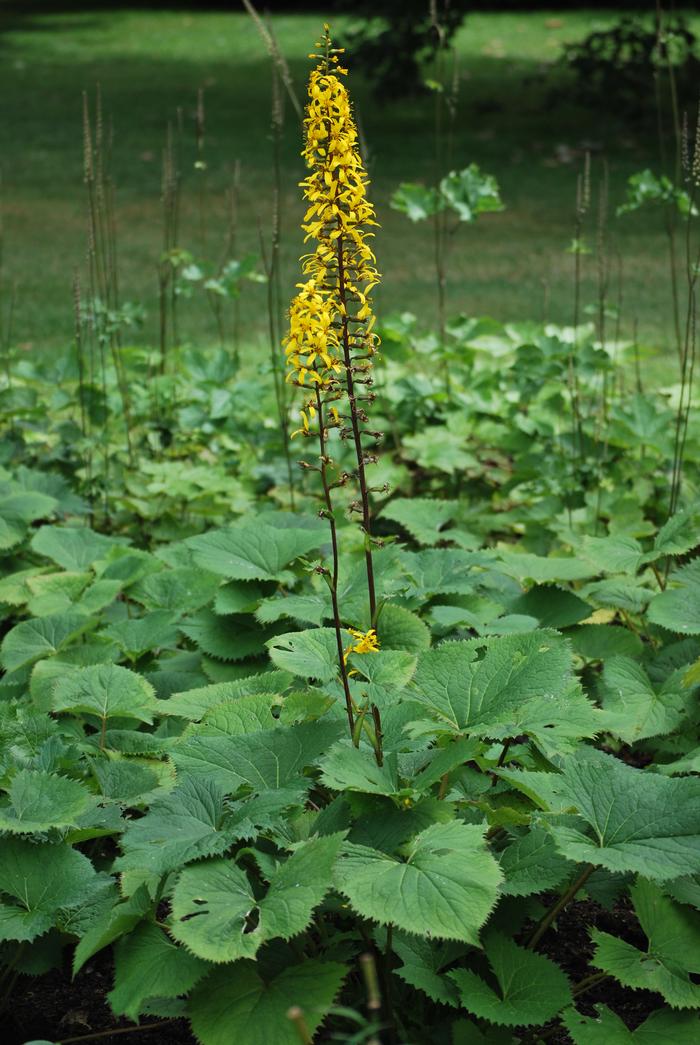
(532,864)
(542,569)
(620,593)
(105,690)
(238,597)
(216,914)
(423,517)
(442,571)
(226,638)
(128,782)
(633,709)
(639,822)
(257,550)
(423,961)
(673,954)
(311,654)
(191,822)
(38,881)
(38,801)
(399,629)
(445,887)
(680,534)
(116,921)
(139,635)
(553,607)
(233,1003)
(523,685)
(309,609)
(677,608)
(663,1027)
(14,588)
(251,714)
(263,761)
(381,677)
(73,548)
(193,704)
(349,768)
(184,589)
(147,964)
(602,641)
(33,639)
(532,989)
(612,554)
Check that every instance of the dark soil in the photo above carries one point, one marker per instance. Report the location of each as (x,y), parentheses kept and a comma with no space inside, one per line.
(569,945)
(56,1008)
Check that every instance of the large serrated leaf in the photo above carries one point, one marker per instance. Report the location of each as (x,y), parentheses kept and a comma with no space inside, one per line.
(216,914)
(531,988)
(256,550)
(632,708)
(39,881)
(639,822)
(105,690)
(147,964)
(663,1027)
(445,887)
(38,801)
(73,548)
(678,607)
(33,639)
(234,1004)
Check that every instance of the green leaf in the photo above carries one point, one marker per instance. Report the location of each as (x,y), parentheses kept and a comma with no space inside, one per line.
(542,570)
(147,964)
(415,201)
(141,634)
(602,641)
(399,629)
(193,704)
(673,934)
(641,822)
(677,536)
(119,920)
(39,801)
(227,638)
(347,768)
(311,654)
(105,690)
(215,912)
(553,607)
(33,639)
(445,887)
(470,192)
(264,761)
(185,825)
(532,864)
(255,550)
(423,518)
(73,548)
(524,684)
(234,1004)
(678,607)
(612,554)
(423,961)
(663,1027)
(38,881)
(531,988)
(184,589)
(632,709)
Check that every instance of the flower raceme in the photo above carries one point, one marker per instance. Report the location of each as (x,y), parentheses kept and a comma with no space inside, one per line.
(331,337)
(364,642)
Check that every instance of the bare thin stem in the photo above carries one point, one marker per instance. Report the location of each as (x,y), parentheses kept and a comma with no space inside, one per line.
(560,904)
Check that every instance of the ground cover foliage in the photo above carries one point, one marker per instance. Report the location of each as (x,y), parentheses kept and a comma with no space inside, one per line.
(187,627)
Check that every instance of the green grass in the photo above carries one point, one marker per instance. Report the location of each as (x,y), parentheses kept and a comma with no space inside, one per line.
(149,64)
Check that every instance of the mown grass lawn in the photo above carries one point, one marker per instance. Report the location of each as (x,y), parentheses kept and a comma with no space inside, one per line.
(514,120)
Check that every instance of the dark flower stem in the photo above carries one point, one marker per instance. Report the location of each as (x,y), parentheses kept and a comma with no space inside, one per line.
(333,577)
(357,438)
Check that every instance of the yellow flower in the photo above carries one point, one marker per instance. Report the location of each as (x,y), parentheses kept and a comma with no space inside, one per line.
(339,214)
(365,642)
